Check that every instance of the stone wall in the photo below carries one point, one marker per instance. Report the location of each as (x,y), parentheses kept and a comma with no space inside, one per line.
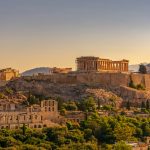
(112,79)
(143,79)
(104,78)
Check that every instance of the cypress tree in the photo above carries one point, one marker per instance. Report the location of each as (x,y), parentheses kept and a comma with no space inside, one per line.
(147,105)
(128,105)
(143,105)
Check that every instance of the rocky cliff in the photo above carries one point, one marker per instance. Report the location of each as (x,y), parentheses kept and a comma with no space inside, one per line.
(104,86)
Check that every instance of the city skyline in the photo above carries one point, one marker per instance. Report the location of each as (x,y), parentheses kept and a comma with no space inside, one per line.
(50,33)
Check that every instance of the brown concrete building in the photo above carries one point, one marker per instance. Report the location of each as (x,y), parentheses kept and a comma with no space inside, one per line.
(14,115)
(8,74)
(88,64)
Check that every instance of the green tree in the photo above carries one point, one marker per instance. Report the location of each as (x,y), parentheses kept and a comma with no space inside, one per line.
(88,134)
(70,106)
(143,106)
(123,132)
(122,146)
(87,105)
(142,69)
(9,91)
(140,87)
(132,85)
(128,105)
(24,129)
(147,105)
(7,141)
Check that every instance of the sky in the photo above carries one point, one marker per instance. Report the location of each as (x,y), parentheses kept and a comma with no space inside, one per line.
(49,33)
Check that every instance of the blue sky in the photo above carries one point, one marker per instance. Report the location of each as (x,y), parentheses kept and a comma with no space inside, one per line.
(36,33)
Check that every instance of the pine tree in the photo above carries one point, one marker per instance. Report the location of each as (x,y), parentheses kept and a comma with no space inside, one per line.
(147,105)
(128,105)
(143,105)
(24,128)
(99,104)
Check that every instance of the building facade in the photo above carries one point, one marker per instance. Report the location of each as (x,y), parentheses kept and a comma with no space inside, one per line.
(13,116)
(8,74)
(88,64)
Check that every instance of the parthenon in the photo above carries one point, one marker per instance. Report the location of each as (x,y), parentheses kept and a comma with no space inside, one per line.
(87,64)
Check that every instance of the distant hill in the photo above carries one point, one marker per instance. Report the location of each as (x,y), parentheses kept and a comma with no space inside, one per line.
(46,70)
(134,68)
(35,71)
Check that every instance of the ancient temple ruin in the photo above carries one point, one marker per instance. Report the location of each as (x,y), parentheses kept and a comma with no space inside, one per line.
(88,64)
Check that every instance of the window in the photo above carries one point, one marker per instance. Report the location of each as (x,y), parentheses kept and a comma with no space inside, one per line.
(45,125)
(36,117)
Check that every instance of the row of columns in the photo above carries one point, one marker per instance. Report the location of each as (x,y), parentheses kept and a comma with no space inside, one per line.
(102,65)
(116,65)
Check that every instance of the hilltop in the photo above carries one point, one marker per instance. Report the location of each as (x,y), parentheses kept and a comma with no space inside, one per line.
(35,71)
(46,70)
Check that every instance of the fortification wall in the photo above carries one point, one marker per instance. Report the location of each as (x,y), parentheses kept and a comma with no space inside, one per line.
(54,78)
(114,79)
(143,79)
(138,78)
(147,81)
(110,79)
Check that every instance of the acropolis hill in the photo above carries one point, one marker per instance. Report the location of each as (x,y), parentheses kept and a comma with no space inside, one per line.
(91,73)
(94,70)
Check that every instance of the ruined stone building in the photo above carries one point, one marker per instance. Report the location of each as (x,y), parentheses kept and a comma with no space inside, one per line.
(14,115)
(88,64)
(61,70)
(8,74)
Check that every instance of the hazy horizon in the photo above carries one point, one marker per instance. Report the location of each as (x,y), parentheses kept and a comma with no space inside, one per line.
(48,33)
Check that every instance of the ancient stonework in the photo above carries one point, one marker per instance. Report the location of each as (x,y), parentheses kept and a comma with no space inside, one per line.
(13,115)
(8,74)
(88,64)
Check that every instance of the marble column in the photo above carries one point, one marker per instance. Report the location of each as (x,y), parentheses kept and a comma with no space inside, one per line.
(126,66)
(122,66)
(102,64)
(110,65)
(119,66)
(105,65)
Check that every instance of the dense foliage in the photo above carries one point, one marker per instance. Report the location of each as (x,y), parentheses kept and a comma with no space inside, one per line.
(108,132)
